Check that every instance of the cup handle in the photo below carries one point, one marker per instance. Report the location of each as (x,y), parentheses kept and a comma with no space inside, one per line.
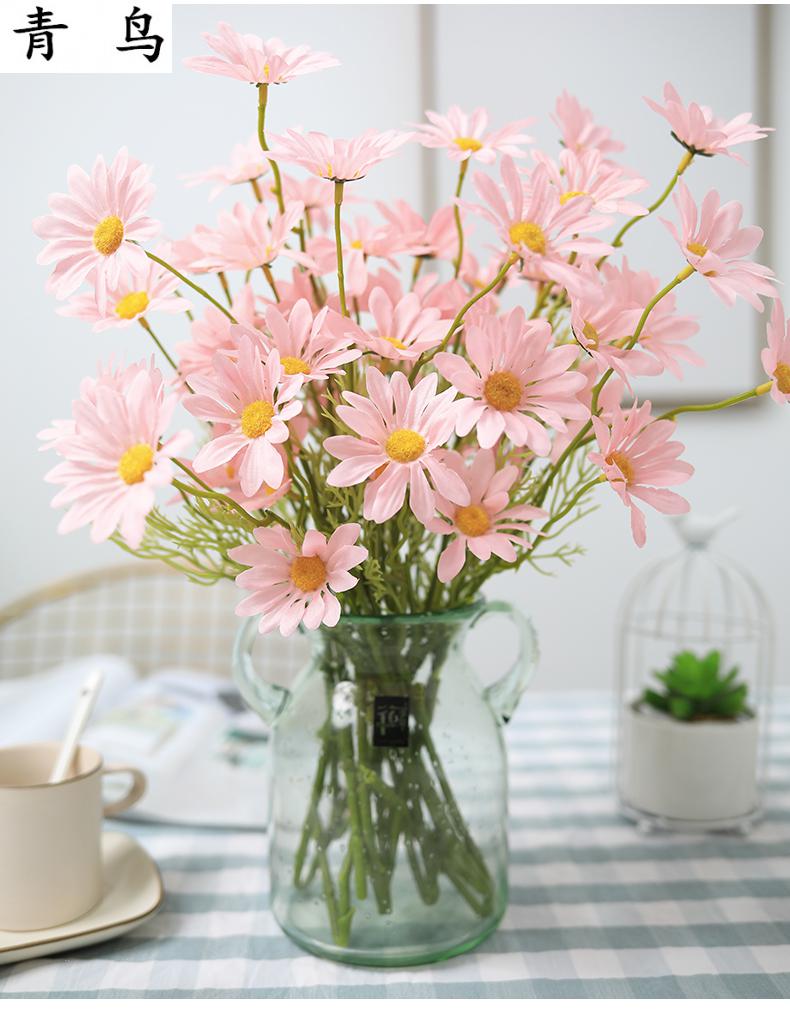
(136,789)
(504,694)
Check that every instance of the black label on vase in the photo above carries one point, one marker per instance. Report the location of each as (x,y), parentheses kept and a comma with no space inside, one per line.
(391,721)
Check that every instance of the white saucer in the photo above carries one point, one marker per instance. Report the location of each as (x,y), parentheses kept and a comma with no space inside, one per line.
(133,893)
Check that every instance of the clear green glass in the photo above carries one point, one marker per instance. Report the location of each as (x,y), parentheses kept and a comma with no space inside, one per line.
(388,833)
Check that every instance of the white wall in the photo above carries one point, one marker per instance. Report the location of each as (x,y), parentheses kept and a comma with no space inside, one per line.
(505,58)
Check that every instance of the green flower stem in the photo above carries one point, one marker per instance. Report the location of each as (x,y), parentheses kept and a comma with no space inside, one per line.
(341,284)
(457,215)
(312,827)
(225,287)
(267,272)
(685,161)
(277,188)
(146,326)
(722,404)
(418,261)
(189,283)
(356,846)
(456,323)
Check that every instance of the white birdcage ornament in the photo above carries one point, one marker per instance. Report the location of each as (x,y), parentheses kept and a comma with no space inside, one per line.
(692,735)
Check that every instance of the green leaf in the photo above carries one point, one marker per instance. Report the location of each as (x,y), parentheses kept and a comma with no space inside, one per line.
(732,704)
(655,700)
(681,708)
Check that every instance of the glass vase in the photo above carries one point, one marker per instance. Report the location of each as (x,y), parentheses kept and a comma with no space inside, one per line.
(388,833)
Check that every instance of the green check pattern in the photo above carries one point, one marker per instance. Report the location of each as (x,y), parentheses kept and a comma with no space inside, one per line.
(597,910)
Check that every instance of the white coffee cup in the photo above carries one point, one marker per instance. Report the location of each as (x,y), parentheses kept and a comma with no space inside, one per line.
(50,835)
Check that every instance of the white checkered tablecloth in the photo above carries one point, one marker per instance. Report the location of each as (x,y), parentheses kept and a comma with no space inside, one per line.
(596,909)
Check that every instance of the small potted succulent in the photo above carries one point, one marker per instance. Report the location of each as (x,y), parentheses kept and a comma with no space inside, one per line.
(689,754)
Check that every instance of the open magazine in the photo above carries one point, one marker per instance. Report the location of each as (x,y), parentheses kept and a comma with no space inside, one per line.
(204,754)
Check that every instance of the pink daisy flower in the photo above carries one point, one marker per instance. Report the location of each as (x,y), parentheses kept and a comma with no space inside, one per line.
(251,399)
(410,233)
(115,456)
(602,323)
(335,159)
(214,332)
(536,226)
(465,136)
(246,238)
(361,241)
(313,347)
(399,432)
(665,333)
(93,230)
(639,461)
(776,356)
(141,290)
(518,384)
(255,60)
(404,329)
(486,525)
(715,244)
(247,164)
(290,585)
(699,131)
(588,174)
(579,130)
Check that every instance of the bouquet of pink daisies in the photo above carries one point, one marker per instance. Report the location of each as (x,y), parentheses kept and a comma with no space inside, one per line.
(377,433)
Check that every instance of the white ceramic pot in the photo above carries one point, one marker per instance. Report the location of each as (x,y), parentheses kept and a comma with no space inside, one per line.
(697,772)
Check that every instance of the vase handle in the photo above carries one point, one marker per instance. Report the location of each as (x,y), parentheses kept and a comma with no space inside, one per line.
(266,699)
(504,694)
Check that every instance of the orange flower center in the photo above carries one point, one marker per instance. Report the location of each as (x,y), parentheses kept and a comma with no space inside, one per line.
(567,197)
(108,235)
(697,248)
(135,463)
(502,390)
(404,445)
(782,376)
(473,520)
(132,304)
(623,463)
(530,234)
(294,365)
(590,334)
(256,418)
(308,573)
(467,143)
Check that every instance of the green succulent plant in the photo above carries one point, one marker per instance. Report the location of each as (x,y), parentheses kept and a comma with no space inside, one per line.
(694,688)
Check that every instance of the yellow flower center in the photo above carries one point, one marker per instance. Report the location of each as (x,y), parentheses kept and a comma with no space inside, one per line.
(308,573)
(782,376)
(467,143)
(404,445)
(329,173)
(135,463)
(697,248)
(623,463)
(473,520)
(530,234)
(230,471)
(396,343)
(266,70)
(256,418)
(503,390)
(108,235)
(132,304)
(590,334)
(294,365)
(566,197)
(356,244)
